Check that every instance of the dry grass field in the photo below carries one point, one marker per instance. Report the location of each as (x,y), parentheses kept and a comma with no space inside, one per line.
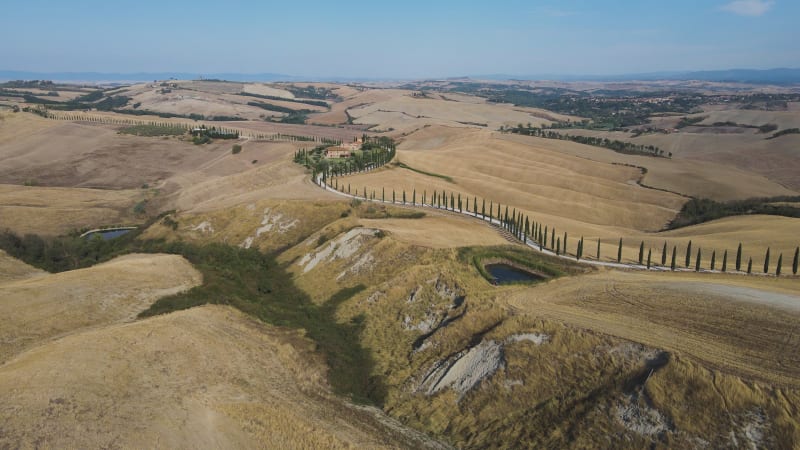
(582,190)
(743,325)
(711,156)
(209,377)
(52,211)
(38,309)
(595,358)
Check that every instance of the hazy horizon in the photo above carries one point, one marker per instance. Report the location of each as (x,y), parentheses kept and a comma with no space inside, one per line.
(412,40)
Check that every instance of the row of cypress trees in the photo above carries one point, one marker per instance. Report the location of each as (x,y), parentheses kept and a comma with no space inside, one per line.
(713,260)
(531,232)
(111,120)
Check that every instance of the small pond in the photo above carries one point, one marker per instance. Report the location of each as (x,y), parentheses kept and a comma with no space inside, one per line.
(505,274)
(108,234)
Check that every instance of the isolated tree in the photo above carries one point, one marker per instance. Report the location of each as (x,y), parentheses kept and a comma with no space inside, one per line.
(796,260)
(664,254)
(713,259)
(649,255)
(739,258)
(689,254)
(697,264)
(780,263)
(750,266)
(641,252)
(725,261)
(674,255)
(619,251)
(766,262)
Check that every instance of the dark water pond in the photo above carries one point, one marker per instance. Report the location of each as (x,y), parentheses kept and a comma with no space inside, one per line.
(108,234)
(504,273)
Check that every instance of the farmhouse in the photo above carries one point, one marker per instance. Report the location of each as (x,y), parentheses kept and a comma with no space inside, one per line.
(337,152)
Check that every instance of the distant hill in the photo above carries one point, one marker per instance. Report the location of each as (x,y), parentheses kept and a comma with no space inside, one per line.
(139,76)
(751,76)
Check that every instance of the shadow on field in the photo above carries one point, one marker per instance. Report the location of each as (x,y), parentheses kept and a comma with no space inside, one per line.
(246,279)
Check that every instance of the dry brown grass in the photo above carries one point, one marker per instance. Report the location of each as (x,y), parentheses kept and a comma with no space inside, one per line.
(38,309)
(209,377)
(53,211)
(729,323)
(12,269)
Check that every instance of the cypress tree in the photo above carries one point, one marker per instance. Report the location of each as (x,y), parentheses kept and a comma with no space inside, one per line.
(697,265)
(414,197)
(491,208)
(348,188)
(552,238)
(404,196)
(739,258)
(796,260)
(459,204)
(674,252)
(545,235)
(725,260)
(641,252)
(619,251)
(483,209)
(664,254)
(393,196)
(766,262)
(780,263)
(689,254)
(713,259)
(475,206)
(580,250)
(383,194)
(558,246)
(365,192)
(452,202)
(750,266)
(598,249)
(424,193)
(649,254)
(565,242)
(498,212)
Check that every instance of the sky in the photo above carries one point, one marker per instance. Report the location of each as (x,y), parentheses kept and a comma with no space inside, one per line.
(393,39)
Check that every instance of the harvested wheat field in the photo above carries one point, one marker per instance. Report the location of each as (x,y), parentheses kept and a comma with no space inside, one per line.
(35,310)
(594,198)
(744,325)
(54,210)
(209,377)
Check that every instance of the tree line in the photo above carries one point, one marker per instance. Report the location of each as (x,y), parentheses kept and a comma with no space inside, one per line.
(618,146)
(537,234)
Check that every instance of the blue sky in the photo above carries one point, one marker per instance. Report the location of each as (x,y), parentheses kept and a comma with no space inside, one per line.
(398,39)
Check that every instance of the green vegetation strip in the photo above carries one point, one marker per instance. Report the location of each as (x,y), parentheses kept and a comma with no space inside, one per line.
(430,174)
(246,279)
(702,210)
(154,130)
(547,265)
